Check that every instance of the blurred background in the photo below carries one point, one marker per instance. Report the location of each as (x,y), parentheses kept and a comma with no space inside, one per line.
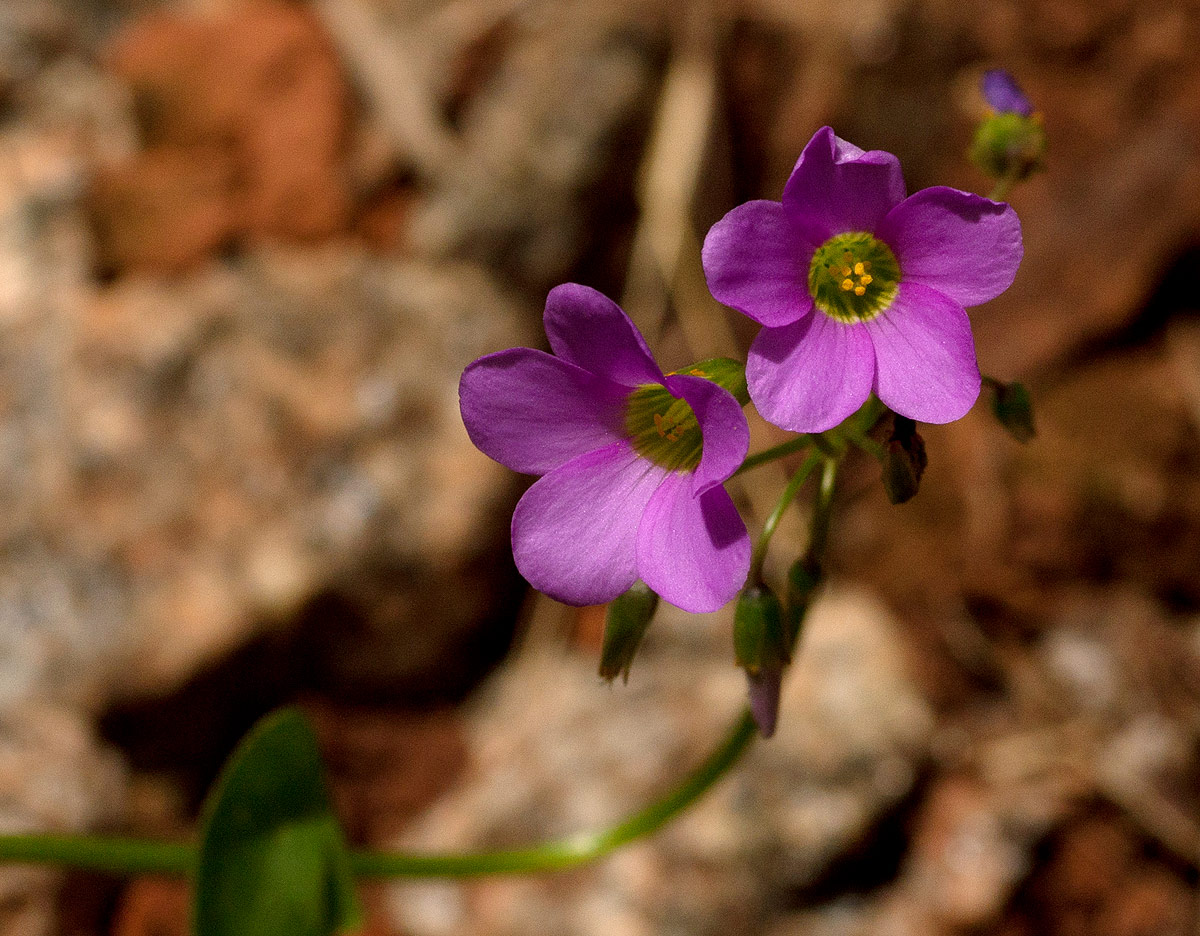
(246,248)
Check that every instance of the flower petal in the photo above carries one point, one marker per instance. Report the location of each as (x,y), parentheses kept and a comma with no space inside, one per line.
(533,412)
(966,247)
(925,356)
(723,428)
(811,375)
(755,261)
(693,549)
(574,533)
(837,187)
(587,328)
(1001,90)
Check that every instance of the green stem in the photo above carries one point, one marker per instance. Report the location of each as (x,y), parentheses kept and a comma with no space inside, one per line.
(758,557)
(1001,188)
(133,856)
(822,511)
(113,855)
(578,849)
(776,451)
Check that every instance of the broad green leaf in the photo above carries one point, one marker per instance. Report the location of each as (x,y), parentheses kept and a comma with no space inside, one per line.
(272,858)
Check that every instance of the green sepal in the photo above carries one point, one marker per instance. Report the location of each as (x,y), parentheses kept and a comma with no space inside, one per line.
(629,617)
(272,858)
(1009,146)
(760,641)
(904,461)
(724,372)
(1013,409)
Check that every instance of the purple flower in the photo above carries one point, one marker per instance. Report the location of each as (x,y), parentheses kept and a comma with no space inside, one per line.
(1004,94)
(632,460)
(860,288)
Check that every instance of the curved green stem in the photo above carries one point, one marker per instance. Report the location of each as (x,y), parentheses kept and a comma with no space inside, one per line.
(133,856)
(785,499)
(578,849)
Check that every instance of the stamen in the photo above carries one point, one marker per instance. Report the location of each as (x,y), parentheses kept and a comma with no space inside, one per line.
(853,277)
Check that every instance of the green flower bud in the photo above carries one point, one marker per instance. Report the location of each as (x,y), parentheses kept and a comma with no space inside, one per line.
(1009,146)
(1013,409)
(759,639)
(628,619)
(904,461)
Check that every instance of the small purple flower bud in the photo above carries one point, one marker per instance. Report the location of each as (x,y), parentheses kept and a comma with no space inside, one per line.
(1004,94)
(763,688)
(763,649)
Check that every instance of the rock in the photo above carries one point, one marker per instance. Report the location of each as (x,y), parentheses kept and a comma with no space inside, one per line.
(54,778)
(245,115)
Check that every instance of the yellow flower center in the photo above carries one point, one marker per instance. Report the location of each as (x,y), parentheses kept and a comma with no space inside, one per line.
(853,277)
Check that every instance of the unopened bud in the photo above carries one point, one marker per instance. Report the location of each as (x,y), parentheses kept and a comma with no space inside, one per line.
(628,619)
(1013,409)
(1010,143)
(763,689)
(904,461)
(759,639)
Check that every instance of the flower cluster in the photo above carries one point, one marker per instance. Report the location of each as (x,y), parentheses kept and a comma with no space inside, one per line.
(860,288)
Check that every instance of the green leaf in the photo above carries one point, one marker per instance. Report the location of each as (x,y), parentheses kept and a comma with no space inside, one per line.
(272,858)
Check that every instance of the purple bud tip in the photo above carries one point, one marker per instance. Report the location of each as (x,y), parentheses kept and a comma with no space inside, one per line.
(764,698)
(1004,94)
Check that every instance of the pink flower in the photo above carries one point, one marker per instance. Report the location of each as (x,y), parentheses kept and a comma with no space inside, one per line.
(632,460)
(861,289)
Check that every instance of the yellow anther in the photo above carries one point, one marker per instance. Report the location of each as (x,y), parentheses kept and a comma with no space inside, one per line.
(866,279)
(847,284)
(666,428)
(859,290)
(866,264)
(696,372)
(859,269)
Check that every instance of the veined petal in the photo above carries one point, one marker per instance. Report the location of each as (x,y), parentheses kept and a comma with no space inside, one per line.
(532,412)
(925,356)
(574,533)
(757,262)
(723,428)
(811,375)
(693,549)
(966,247)
(587,328)
(837,187)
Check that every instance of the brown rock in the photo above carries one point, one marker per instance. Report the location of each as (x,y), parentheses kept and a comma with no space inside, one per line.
(167,209)
(257,92)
